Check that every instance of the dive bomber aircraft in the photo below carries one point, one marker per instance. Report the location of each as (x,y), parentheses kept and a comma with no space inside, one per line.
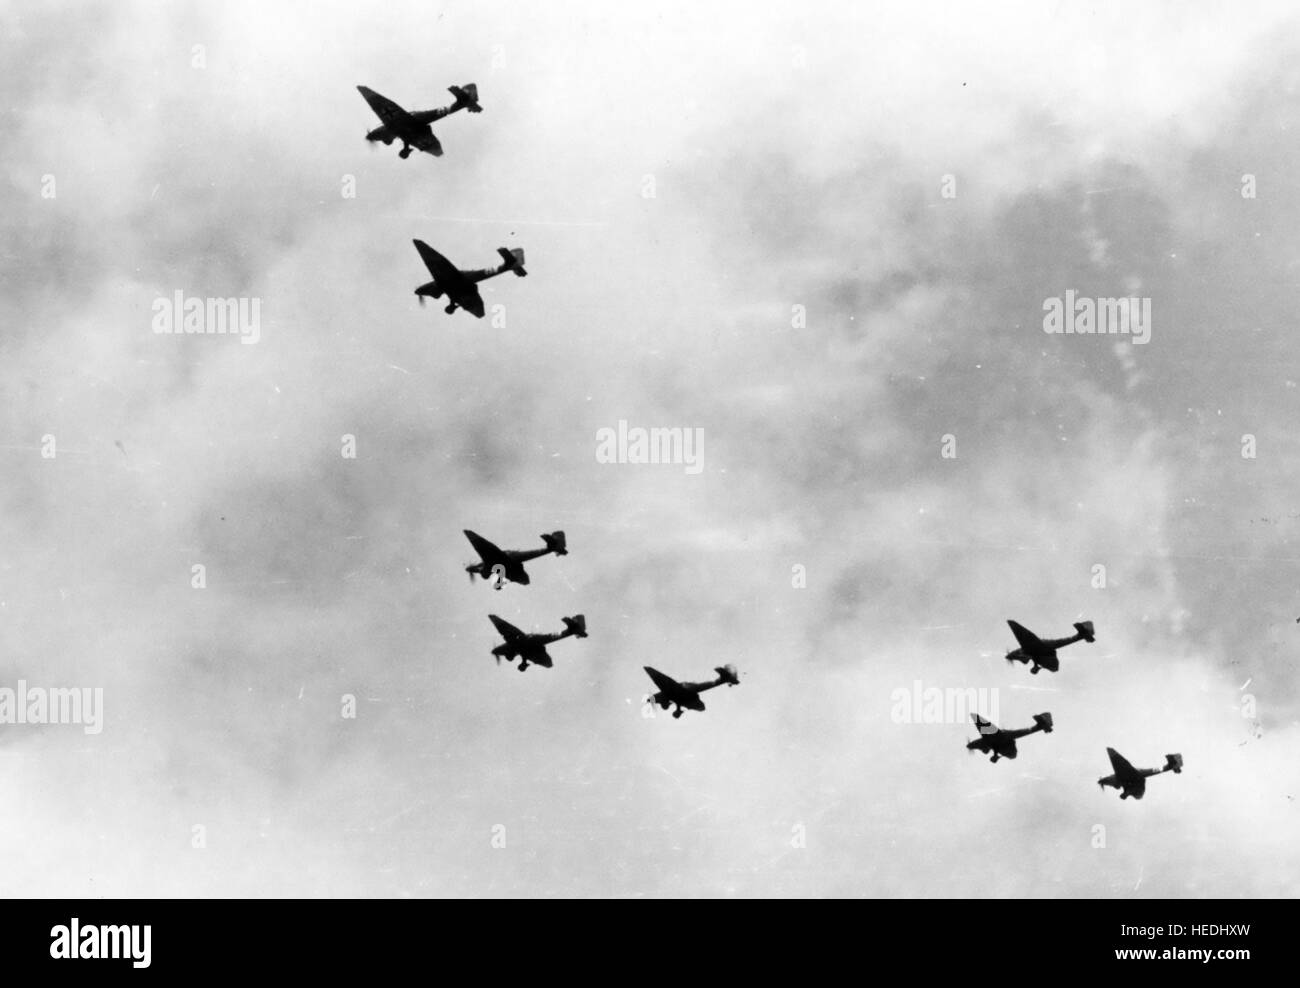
(1042,653)
(531,648)
(458,285)
(1132,781)
(508,564)
(1001,743)
(413,129)
(687,695)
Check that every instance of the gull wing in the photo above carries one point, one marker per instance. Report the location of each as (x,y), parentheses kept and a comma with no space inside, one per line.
(486,550)
(385,109)
(984,725)
(1027,639)
(1124,769)
(537,656)
(470,300)
(666,684)
(444,272)
(427,143)
(507,630)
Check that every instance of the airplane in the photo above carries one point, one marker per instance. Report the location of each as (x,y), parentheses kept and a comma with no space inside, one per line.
(458,285)
(510,561)
(1001,743)
(679,695)
(413,129)
(1133,781)
(532,648)
(1043,653)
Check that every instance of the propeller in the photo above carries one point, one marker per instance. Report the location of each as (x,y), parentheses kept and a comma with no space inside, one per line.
(423,301)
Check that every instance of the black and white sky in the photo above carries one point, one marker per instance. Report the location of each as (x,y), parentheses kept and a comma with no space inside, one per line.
(685,179)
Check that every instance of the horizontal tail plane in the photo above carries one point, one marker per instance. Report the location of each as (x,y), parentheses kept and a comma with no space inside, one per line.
(466,96)
(514,260)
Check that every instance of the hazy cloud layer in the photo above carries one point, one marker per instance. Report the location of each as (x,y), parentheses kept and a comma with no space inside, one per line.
(797,159)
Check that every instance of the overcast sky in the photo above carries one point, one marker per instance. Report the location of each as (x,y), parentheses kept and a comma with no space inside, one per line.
(797,155)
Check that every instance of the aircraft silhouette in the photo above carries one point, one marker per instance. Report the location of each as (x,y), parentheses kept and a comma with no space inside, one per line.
(413,129)
(460,286)
(1133,781)
(510,561)
(1043,653)
(687,695)
(1001,743)
(531,648)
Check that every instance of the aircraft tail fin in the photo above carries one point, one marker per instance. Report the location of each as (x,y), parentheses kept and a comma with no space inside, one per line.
(576,625)
(555,542)
(1084,628)
(514,260)
(1173,763)
(466,96)
(1044,721)
(728,675)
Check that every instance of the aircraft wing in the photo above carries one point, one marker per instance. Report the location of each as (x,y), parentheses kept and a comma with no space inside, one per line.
(486,550)
(666,684)
(538,656)
(1026,638)
(385,109)
(984,725)
(507,630)
(444,272)
(468,298)
(1124,770)
(429,144)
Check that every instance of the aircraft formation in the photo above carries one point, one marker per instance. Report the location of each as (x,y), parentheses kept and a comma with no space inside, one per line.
(414,130)
(460,288)
(1000,743)
(503,566)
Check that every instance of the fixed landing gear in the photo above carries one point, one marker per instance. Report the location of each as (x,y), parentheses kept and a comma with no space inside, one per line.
(450,309)
(677,713)
(994,759)
(1035,669)
(405,152)
(523,666)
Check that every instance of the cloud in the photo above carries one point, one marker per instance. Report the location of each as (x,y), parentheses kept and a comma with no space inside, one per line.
(789,169)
